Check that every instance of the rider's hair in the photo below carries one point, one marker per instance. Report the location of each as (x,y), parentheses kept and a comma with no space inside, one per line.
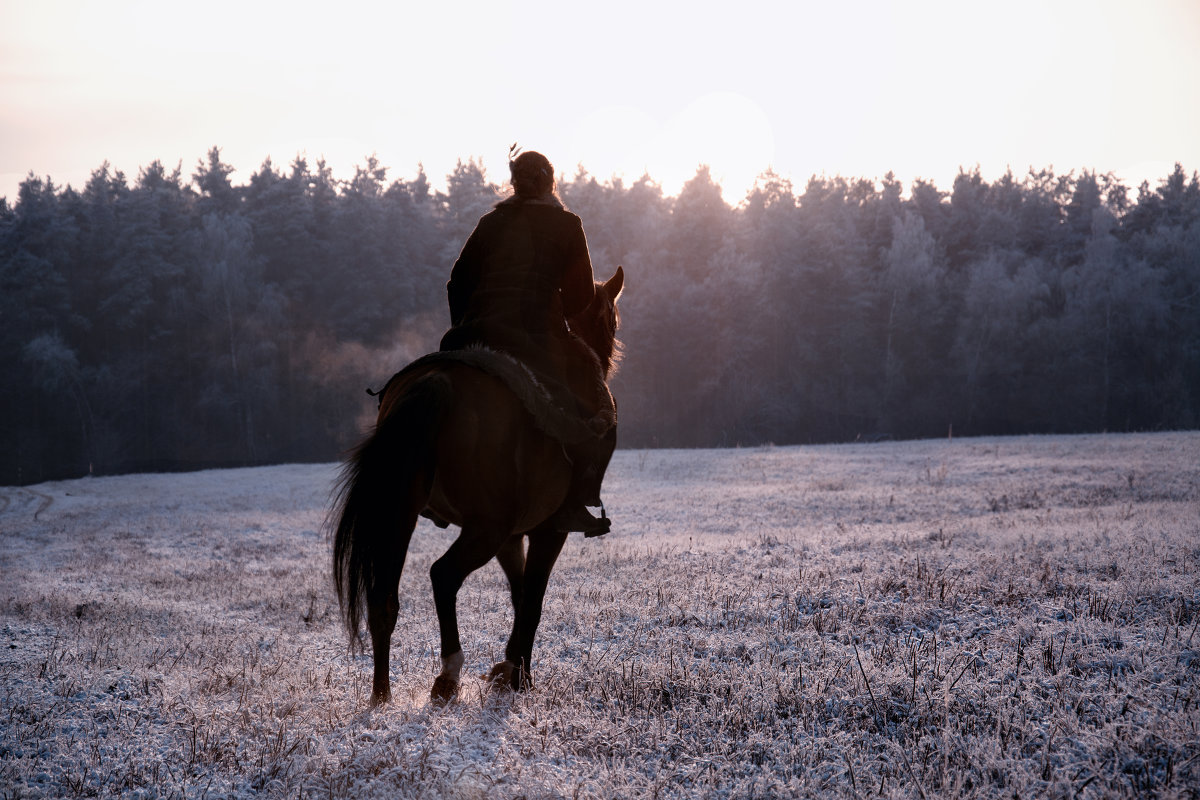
(532,175)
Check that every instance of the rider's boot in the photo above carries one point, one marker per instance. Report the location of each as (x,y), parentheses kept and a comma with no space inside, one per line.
(573,516)
(589,461)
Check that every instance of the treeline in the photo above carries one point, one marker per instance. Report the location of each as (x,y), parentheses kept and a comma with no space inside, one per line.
(179,322)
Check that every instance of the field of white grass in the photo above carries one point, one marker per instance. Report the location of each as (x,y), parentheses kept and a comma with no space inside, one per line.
(977,618)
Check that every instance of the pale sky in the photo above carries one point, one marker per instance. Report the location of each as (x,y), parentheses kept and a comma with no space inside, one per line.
(918,87)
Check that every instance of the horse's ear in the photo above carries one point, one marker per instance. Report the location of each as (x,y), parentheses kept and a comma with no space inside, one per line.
(616,284)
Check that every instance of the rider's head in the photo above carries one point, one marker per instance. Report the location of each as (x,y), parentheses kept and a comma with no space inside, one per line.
(532,175)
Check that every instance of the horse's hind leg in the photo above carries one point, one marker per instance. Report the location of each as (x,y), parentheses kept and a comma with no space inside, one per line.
(475,546)
(383,601)
(512,560)
(545,545)
(383,605)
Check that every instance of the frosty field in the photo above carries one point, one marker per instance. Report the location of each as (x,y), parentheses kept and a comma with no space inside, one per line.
(977,617)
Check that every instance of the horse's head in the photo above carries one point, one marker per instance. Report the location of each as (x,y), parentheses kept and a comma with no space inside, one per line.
(597,324)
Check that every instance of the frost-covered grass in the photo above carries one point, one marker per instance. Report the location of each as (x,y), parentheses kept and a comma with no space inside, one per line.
(985,617)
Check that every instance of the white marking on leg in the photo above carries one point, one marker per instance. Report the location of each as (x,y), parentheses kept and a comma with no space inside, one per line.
(452,666)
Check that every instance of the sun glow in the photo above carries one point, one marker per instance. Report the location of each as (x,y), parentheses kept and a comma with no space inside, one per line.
(807,88)
(726,131)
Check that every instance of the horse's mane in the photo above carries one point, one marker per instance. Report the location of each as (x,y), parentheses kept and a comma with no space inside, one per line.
(588,327)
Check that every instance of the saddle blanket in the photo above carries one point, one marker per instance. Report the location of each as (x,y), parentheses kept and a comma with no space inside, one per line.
(538,394)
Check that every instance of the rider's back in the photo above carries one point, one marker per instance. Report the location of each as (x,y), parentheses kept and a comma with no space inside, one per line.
(521,273)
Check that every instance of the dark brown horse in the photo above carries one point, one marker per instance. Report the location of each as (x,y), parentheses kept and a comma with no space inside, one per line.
(452,440)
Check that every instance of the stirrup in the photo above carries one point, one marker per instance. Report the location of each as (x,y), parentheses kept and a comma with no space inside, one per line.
(604,519)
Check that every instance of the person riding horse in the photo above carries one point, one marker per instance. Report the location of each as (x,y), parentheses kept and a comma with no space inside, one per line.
(523,272)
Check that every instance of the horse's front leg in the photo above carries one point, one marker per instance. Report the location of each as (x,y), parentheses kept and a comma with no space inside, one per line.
(474,547)
(545,545)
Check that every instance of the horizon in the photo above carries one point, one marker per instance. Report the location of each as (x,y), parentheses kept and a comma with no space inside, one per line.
(1154,179)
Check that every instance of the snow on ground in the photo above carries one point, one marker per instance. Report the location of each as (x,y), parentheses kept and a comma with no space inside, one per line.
(981,617)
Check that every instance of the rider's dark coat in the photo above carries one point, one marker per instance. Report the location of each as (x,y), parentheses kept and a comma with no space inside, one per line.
(522,272)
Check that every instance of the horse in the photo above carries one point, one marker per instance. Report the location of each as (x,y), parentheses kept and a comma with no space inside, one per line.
(457,445)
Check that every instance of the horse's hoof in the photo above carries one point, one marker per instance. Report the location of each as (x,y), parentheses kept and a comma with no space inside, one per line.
(443,691)
(501,675)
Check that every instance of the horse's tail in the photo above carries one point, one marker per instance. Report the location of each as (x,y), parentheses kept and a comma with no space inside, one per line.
(383,487)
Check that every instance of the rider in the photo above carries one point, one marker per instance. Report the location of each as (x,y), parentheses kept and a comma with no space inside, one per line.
(523,271)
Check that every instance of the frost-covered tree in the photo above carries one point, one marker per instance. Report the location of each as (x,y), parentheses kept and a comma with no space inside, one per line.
(187,320)
(914,297)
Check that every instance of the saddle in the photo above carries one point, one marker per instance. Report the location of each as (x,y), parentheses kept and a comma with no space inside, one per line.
(550,403)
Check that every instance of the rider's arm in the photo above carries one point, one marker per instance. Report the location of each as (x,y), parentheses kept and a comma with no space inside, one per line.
(578,285)
(464,277)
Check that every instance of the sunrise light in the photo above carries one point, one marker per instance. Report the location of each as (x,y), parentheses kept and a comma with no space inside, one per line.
(857,89)
(726,131)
